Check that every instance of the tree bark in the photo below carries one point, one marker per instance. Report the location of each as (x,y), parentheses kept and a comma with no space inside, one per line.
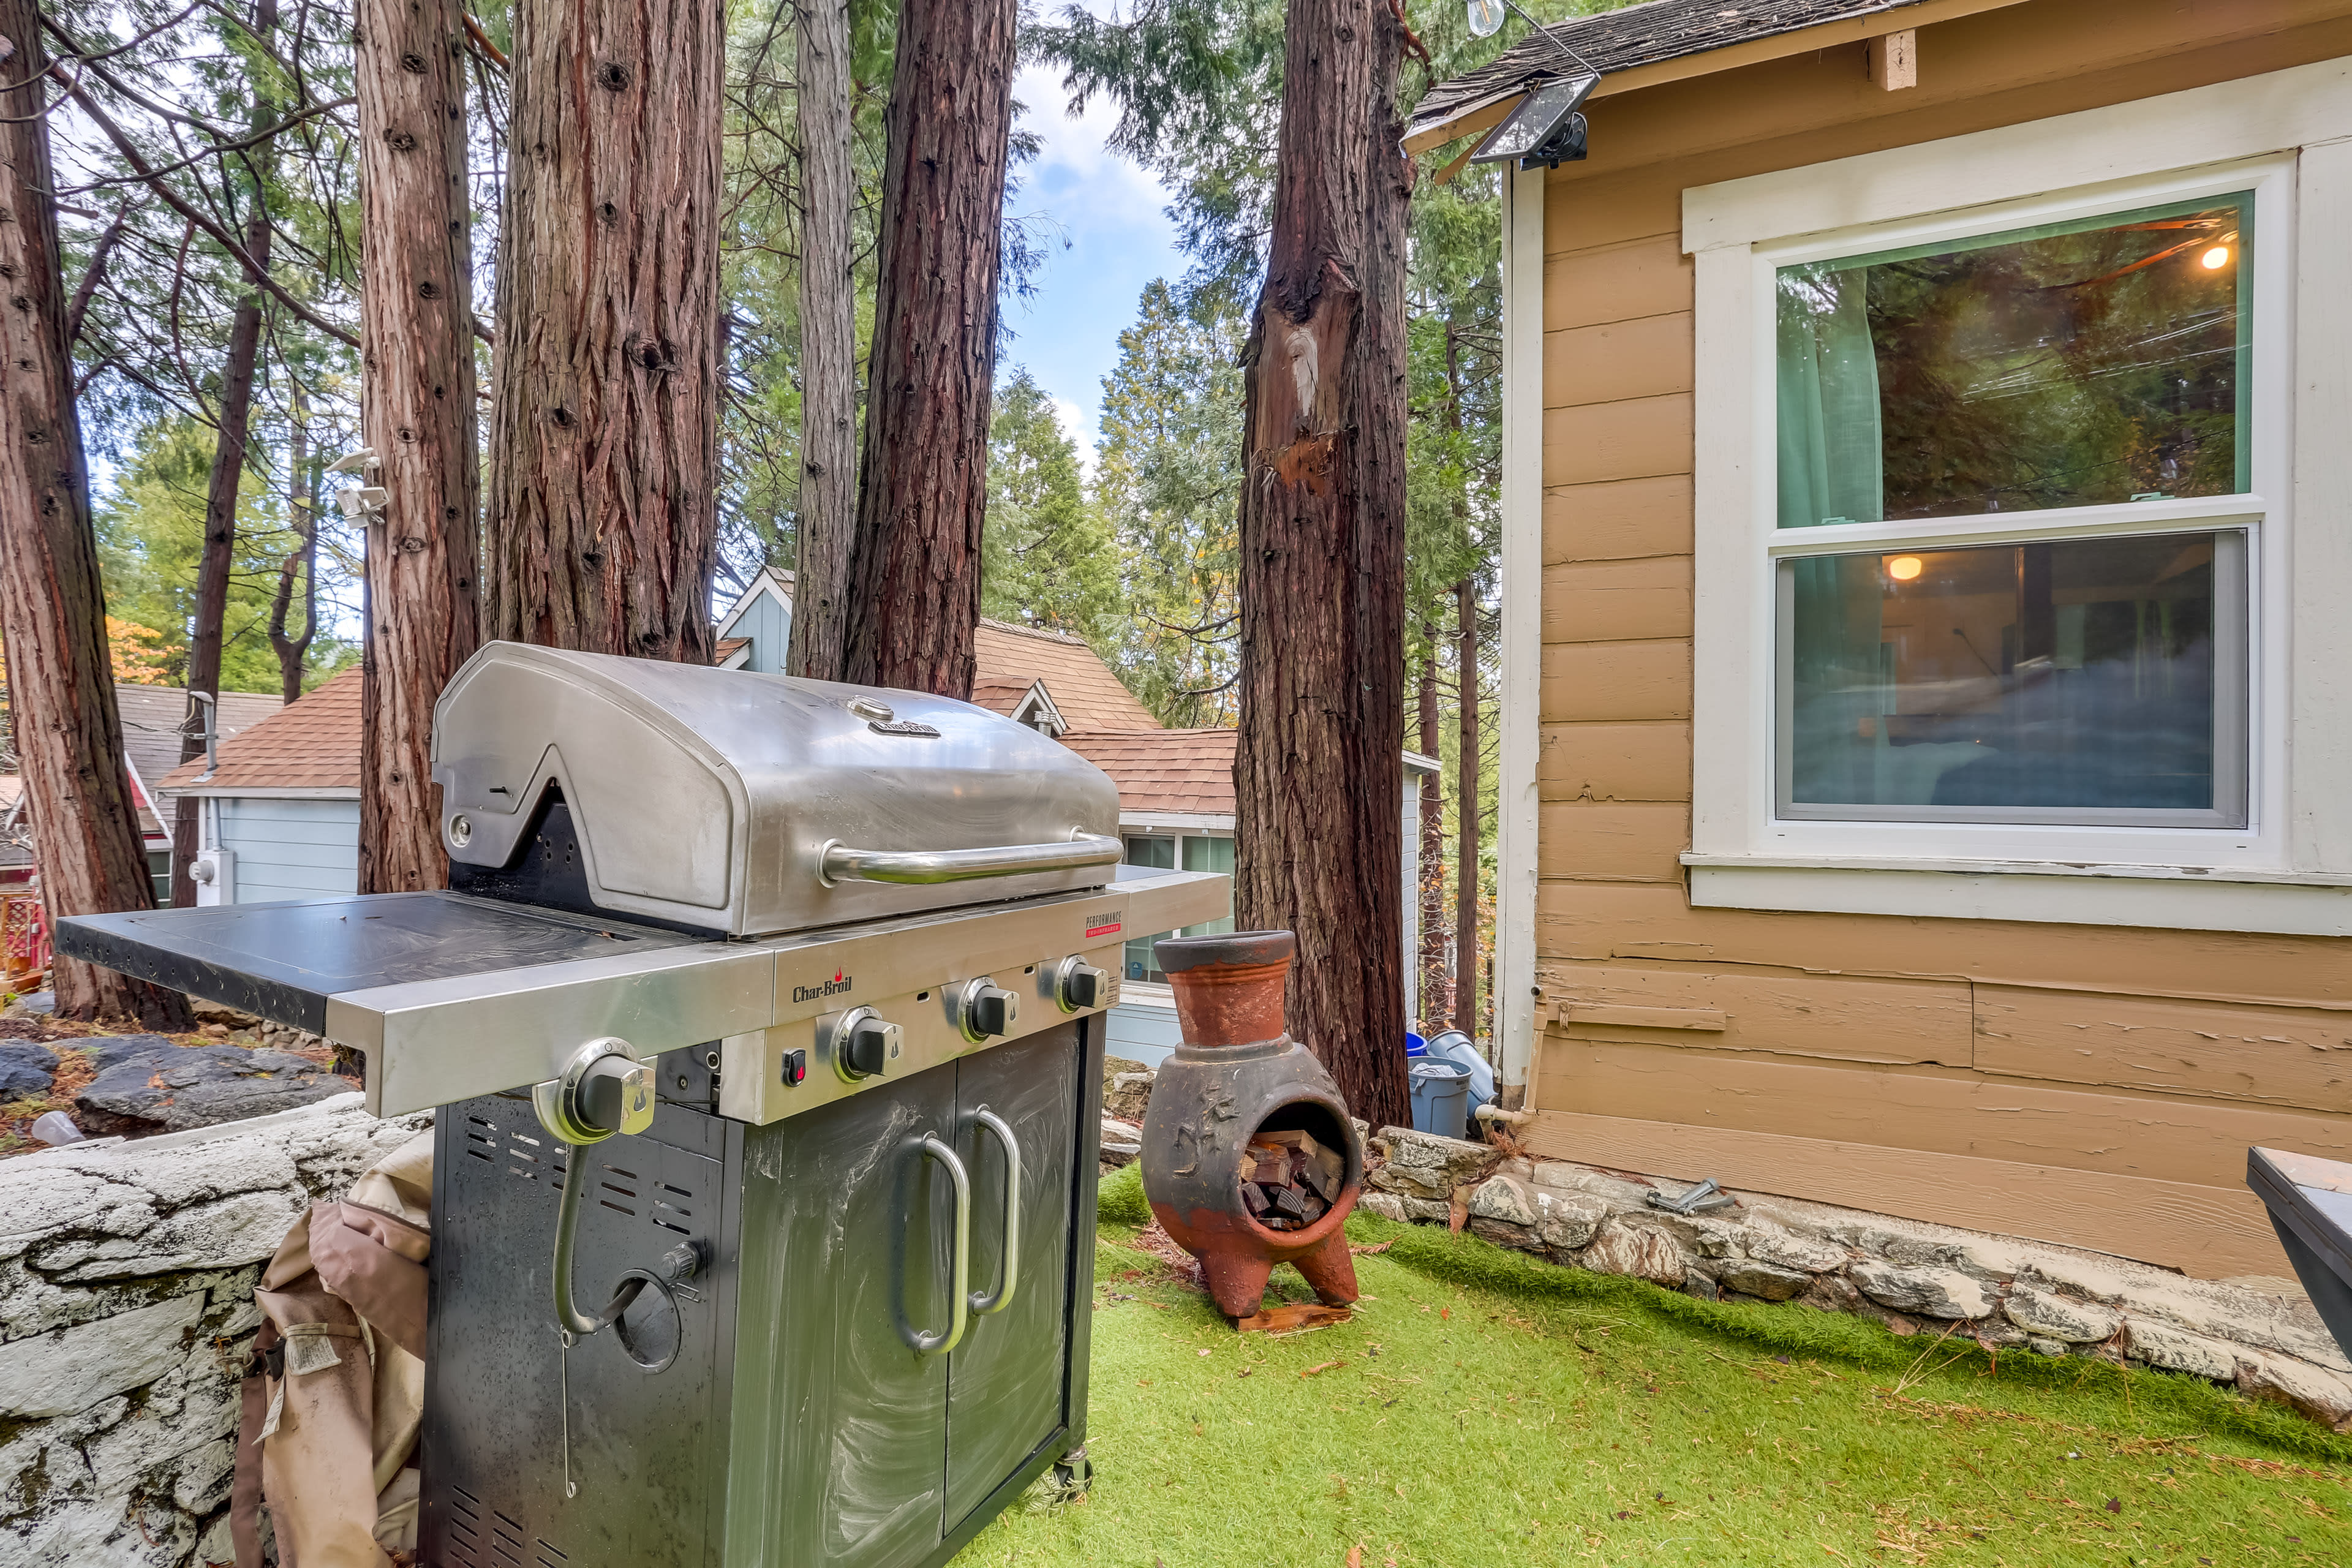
(301,561)
(603,512)
(828,490)
(914,560)
(1318,770)
(1466,819)
(1436,997)
(219,553)
(416,410)
(61,689)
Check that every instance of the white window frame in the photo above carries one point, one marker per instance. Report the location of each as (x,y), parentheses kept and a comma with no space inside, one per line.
(2290,868)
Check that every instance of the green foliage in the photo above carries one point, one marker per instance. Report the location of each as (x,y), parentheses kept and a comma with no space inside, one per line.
(150,524)
(1045,555)
(1485,1410)
(1168,478)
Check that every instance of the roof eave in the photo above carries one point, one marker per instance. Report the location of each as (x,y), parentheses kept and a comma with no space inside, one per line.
(1488,113)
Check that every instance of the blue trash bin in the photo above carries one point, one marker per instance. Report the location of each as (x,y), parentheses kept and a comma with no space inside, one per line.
(1441,1098)
(1454,1046)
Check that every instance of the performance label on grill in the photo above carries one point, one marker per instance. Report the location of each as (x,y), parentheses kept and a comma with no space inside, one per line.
(838,985)
(1106,922)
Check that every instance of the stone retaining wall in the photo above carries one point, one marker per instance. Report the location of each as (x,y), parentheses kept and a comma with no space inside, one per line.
(2261,1335)
(126,1316)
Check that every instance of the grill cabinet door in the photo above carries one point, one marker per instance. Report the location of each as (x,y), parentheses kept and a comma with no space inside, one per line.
(840,1443)
(1006,1382)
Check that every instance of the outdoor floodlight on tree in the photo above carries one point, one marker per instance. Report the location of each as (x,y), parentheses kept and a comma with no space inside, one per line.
(1546,129)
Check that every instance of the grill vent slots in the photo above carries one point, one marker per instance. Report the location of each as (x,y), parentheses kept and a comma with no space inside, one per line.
(616,1187)
(668,1211)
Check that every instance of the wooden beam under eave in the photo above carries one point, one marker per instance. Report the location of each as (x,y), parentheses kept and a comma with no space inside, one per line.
(1805,41)
(1894,60)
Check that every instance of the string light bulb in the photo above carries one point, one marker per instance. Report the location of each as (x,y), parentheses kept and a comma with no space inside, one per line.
(1903,568)
(2216,259)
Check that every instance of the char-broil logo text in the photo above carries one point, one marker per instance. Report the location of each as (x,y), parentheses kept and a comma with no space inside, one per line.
(833,987)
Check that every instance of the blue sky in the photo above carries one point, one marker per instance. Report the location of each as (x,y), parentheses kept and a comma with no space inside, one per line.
(1108,211)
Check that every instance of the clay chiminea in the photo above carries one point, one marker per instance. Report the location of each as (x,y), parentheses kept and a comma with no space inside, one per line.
(1238,1076)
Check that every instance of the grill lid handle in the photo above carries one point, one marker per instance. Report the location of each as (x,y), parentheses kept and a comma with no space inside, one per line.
(839,862)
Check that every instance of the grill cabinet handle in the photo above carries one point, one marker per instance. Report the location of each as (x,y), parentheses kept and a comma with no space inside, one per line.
(1008,1274)
(839,862)
(960,1280)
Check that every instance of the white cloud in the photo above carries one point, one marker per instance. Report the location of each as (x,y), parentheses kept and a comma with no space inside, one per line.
(1075,159)
(1080,424)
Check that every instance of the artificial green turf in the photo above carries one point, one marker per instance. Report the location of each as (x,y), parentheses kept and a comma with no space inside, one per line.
(1483,1408)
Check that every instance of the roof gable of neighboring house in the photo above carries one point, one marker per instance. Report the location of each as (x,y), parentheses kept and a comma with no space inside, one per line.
(757,631)
(311,747)
(1083,691)
(1661,40)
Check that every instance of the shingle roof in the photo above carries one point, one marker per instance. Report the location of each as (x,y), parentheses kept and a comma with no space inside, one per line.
(310,744)
(1635,36)
(1187,771)
(1088,694)
(152,716)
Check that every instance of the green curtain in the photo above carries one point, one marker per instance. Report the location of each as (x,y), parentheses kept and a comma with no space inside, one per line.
(1829,471)
(1828,396)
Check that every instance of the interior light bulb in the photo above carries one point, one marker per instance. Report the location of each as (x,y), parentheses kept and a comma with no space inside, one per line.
(2216,259)
(1903,568)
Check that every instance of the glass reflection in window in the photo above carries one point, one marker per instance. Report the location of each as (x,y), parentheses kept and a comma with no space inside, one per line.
(2076,364)
(2088,676)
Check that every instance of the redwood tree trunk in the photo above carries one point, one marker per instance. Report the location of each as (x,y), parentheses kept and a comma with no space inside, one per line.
(1317,770)
(1465,812)
(1436,998)
(914,561)
(220,541)
(416,410)
(603,512)
(828,490)
(61,689)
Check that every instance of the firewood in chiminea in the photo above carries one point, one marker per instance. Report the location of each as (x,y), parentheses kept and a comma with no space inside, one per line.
(1289,1179)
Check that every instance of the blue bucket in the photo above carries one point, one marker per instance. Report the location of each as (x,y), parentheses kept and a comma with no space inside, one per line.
(1441,1098)
(1415,1047)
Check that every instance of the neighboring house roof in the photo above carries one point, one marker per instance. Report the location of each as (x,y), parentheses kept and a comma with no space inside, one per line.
(772,581)
(152,716)
(1187,773)
(732,651)
(308,747)
(1639,35)
(1009,659)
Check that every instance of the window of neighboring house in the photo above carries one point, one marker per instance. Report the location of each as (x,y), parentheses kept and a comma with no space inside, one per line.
(2081,368)
(1159,854)
(1193,852)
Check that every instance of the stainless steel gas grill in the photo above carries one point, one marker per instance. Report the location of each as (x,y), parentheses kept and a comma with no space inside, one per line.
(765,1013)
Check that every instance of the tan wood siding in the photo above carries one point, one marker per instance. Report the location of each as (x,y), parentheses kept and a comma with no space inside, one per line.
(1951,1110)
(1615,841)
(2083,1085)
(2285,1056)
(1642,357)
(1618,601)
(1616,762)
(2211,1232)
(1617,680)
(1782,1014)
(1636,439)
(1618,519)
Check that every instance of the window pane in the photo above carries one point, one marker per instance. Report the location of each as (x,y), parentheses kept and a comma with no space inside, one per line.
(1159,854)
(2078,676)
(1211,855)
(2079,364)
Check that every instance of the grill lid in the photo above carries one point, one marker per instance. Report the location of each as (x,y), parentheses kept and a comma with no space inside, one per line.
(756,804)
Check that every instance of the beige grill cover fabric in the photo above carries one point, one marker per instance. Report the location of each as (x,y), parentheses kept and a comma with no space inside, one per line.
(330,1430)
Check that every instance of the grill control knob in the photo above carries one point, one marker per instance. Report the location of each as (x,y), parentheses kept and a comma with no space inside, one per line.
(863,1045)
(982,1009)
(1079,985)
